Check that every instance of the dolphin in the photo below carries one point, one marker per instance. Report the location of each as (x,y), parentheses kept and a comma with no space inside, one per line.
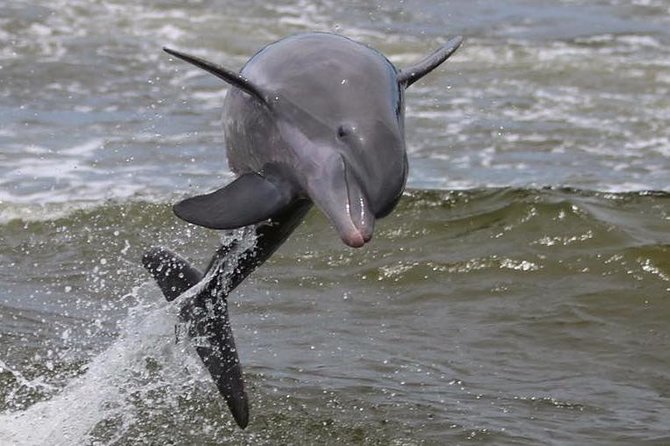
(314,118)
(206,312)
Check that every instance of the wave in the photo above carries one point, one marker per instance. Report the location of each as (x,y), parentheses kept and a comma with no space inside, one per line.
(135,204)
(441,255)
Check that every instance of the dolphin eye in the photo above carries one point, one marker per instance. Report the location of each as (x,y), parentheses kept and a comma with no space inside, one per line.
(345,130)
(342,131)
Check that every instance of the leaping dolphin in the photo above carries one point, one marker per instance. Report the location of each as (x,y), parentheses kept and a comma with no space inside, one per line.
(314,118)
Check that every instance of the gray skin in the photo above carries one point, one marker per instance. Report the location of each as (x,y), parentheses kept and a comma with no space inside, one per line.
(335,123)
(317,116)
(313,118)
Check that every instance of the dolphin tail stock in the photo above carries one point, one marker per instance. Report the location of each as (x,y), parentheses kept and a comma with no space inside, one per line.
(270,235)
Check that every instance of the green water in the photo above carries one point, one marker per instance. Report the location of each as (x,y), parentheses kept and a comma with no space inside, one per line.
(499,316)
(494,310)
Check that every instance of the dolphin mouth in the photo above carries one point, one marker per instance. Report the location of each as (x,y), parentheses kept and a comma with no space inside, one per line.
(356,240)
(360,225)
(356,237)
(355,226)
(338,193)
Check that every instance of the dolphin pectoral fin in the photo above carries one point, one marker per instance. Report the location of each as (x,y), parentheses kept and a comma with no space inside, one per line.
(249,199)
(172,273)
(413,73)
(234,79)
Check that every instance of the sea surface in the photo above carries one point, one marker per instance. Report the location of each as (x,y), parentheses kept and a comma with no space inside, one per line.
(518,295)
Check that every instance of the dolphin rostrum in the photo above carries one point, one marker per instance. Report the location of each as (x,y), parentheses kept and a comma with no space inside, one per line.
(314,118)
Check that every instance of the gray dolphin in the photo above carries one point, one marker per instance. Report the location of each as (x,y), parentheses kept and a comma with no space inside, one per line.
(312,118)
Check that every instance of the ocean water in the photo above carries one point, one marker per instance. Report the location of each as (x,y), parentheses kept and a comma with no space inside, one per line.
(519,294)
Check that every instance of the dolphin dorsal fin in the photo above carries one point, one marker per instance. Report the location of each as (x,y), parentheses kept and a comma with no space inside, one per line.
(413,73)
(233,78)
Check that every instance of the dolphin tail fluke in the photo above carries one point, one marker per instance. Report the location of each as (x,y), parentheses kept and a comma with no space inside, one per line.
(229,382)
(218,352)
(206,313)
(208,322)
(249,199)
(209,327)
(172,273)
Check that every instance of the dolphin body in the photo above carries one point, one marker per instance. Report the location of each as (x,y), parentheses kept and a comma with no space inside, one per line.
(314,118)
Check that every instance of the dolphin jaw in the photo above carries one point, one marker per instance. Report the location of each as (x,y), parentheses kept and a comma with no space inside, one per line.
(337,192)
(358,234)
(354,239)
(353,234)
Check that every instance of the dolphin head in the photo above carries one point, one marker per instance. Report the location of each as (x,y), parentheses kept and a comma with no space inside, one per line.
(338,110)
(355,175)
(340,113)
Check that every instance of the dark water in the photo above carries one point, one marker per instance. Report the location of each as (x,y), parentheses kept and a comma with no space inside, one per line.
(520,294)
(501,315)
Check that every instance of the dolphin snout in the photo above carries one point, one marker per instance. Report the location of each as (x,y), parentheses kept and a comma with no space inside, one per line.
(337,192)
(353,239)
(353,221)
(357,235)
(356,239)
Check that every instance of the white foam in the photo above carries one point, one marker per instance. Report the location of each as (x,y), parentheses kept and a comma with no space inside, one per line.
(105,390)
(69,417)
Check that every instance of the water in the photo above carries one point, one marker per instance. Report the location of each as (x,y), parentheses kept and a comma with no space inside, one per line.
(518,295)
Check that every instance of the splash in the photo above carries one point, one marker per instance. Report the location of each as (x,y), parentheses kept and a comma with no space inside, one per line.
(142,376)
